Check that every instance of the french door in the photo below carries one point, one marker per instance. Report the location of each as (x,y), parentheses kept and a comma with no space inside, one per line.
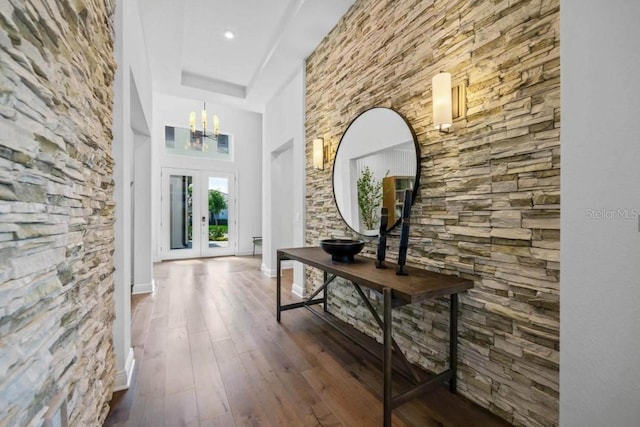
(198,213)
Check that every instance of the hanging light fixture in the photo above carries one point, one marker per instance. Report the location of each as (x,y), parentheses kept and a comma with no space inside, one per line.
(201,135)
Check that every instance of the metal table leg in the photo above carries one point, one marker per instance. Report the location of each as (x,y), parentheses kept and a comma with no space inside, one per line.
(278,288)
(387,357)
(324,294)
(453,341)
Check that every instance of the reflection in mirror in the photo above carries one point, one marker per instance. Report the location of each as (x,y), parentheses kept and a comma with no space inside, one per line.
(377,159)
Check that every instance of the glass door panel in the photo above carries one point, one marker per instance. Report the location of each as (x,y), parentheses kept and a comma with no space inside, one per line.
(218,214)
(180,230)
(180,212)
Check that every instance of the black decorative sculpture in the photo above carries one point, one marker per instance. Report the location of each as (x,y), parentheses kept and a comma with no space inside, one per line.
(382,239)
(404,235)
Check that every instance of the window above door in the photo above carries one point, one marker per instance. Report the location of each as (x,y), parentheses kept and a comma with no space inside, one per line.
(179,141)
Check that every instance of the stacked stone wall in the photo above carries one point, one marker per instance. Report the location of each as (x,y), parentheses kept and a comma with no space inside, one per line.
(488,207)
(56,209)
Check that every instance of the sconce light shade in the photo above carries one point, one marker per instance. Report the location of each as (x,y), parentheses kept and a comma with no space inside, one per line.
(441,90)
(318,153)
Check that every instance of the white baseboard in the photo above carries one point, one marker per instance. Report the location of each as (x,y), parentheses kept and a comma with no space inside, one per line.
(123,377)
(297,290)
(268,271)
(273,272)
(143,288)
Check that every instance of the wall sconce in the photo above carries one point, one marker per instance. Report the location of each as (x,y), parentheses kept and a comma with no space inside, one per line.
(441,90)
(448,102)
(318,153)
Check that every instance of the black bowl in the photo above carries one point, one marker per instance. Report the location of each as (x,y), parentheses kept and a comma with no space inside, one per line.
(342,250)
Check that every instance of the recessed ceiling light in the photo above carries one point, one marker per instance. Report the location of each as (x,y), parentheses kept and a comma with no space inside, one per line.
(229,35)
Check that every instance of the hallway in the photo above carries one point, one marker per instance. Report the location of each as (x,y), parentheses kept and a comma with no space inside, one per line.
(209,353)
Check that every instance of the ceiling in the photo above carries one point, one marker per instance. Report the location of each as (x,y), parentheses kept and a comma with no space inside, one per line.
(190,57)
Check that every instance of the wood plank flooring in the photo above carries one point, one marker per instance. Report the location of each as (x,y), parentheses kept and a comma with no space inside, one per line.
(209,352)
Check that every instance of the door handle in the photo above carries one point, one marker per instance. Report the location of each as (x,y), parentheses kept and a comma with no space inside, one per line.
(204,219)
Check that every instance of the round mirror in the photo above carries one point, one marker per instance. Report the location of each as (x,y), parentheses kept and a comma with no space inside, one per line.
(376,161)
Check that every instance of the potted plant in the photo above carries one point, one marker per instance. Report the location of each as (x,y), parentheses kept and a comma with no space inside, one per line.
(369,198)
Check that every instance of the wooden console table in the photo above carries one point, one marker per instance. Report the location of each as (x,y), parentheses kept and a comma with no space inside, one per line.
(418,286)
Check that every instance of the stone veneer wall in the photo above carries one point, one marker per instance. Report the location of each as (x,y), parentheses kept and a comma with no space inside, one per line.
(488,206)
(56,209)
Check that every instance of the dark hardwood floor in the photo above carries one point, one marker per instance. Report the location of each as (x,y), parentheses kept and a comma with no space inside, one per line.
(209,352)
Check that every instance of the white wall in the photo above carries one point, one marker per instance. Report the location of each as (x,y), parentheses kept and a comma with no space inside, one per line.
(281,214)
(246,128)
(600,275)
(130,54)
(142,259)
(283,124)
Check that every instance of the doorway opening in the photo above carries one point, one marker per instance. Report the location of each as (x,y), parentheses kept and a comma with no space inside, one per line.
(199,215)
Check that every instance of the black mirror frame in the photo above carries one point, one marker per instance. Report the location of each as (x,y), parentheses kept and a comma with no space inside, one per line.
(416,184)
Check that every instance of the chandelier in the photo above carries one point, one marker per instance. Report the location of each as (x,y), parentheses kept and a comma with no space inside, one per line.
(198,137)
